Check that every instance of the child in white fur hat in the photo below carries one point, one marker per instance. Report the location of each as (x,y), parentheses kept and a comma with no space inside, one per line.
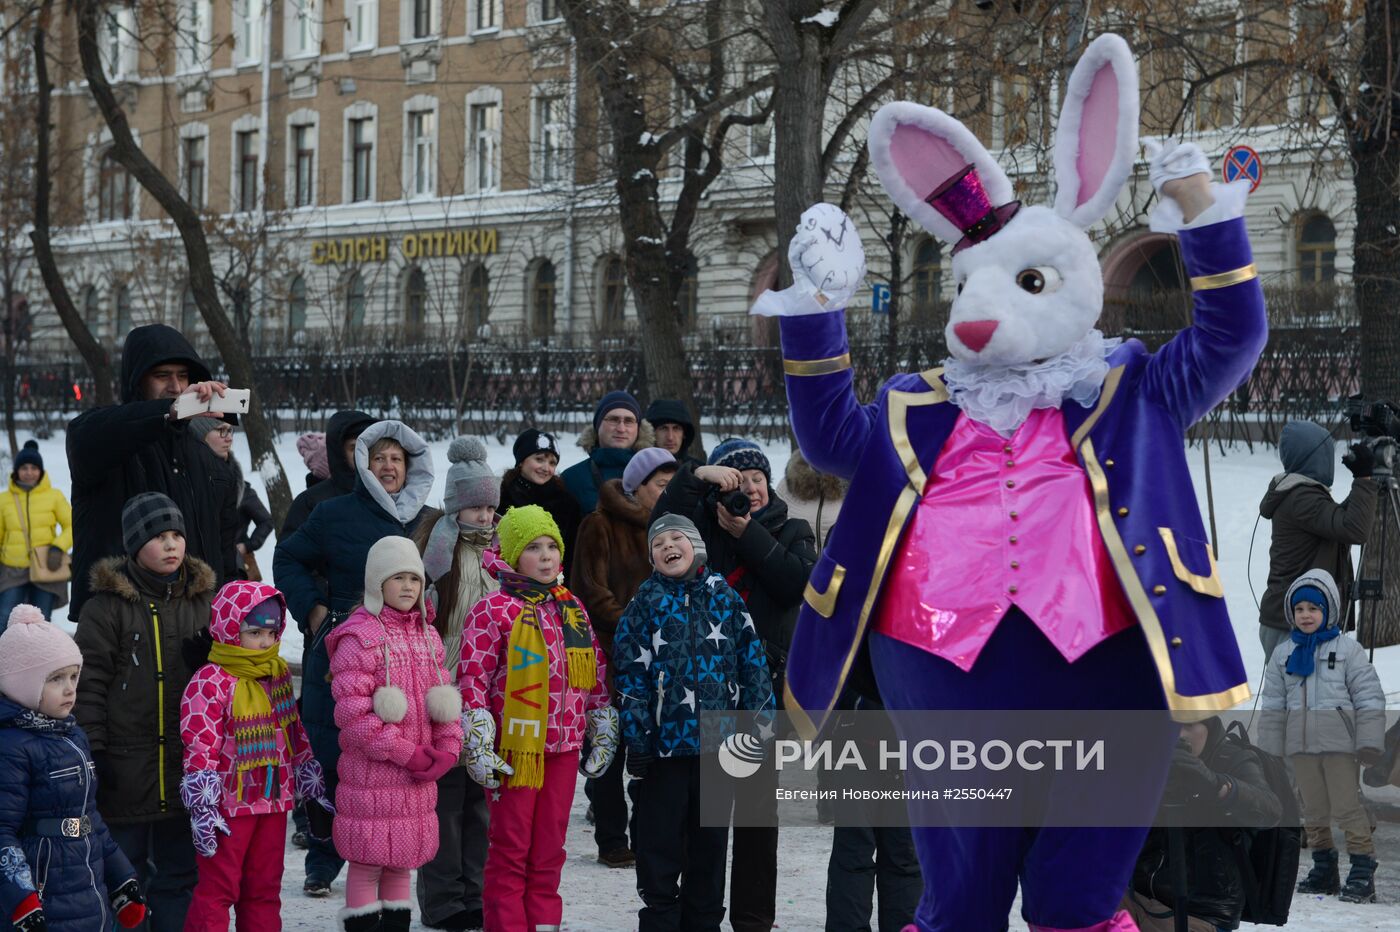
(52,838)
(398,714)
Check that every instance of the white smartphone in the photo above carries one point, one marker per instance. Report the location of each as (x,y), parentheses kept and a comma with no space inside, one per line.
(233,401)
(188,405)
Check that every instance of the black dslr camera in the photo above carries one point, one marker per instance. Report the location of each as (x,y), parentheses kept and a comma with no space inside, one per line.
(735,502)
(1379,423)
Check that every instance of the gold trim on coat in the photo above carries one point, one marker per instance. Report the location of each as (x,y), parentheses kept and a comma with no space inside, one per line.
(1224,279)
(817,366)
(1183,708)
(1106,393)
(824,603)
(1205,585)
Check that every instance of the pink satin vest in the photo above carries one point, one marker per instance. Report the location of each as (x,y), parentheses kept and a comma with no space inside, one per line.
(1003,522)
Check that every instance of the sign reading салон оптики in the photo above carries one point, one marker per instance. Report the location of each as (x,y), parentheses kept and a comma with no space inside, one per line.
(438,244)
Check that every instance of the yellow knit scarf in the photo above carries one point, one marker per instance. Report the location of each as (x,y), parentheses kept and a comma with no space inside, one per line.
(258,710)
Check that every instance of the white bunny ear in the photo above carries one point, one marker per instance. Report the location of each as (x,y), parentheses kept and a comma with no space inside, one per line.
(915,149)
(1096,139)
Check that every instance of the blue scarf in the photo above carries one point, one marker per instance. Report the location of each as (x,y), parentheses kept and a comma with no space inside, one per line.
(1300,662)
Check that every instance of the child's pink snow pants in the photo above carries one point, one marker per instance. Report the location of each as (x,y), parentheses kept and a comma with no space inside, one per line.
(526,853)
(245,873)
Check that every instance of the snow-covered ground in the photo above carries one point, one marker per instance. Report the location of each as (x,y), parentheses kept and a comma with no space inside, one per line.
(598,899)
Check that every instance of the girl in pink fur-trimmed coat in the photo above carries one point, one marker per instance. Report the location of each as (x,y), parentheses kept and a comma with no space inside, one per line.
(398,715)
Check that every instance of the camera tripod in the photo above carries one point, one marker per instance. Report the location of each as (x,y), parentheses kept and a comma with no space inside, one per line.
(1370,591)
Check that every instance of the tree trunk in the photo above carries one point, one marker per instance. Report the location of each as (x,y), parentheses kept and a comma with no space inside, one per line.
(98,361)
(799,105)
(232,348)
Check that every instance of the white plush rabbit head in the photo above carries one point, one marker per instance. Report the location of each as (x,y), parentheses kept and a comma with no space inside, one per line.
(1029,282)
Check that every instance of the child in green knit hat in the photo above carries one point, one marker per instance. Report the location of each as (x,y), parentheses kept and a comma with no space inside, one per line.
(533,690)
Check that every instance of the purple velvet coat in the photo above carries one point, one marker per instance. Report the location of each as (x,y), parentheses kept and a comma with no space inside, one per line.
(1130,445)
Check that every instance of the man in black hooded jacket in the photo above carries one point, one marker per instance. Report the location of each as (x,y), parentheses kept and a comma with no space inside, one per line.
(342,430)
(118,451)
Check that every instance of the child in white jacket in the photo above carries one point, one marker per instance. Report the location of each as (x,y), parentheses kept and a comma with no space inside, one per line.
(1324,707)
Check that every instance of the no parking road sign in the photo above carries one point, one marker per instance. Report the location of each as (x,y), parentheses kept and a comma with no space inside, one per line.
(1243,162)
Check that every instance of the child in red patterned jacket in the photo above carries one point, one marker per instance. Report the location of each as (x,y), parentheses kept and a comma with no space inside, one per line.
(247,760)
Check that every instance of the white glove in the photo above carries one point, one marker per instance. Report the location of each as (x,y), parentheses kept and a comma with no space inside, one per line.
(602,733)
(484,765)
(828,266)
(1172,160)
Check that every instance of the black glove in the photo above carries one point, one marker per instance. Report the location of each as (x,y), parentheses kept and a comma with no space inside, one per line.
(195,650)
(29,915)
(54,559)
(1361,460)
(638,765)
(1191,778)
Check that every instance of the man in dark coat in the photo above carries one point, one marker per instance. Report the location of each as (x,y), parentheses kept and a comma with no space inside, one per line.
(1310,530)
(1210,773)
(342,430)
(675,431)
(119,451)
(321,570)
(767,557)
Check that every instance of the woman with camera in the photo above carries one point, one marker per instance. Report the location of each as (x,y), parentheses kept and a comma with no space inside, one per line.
(767,557)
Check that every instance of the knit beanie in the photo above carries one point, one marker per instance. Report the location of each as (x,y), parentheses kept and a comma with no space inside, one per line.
(523,524)
(643,464)
(29,456)
(533,441)
(200,426)
(674,522)
(741,454)
(148,515)
(312,447)
(611,402)
(470,482)
(30,649)
(388,557)
(1310,594)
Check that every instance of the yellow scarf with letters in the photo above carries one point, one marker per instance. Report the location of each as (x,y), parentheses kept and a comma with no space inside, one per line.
(258,710)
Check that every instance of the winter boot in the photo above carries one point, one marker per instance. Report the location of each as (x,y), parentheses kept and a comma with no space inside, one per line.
(362,918)
(1361,880)
(398,916)
(1324,877)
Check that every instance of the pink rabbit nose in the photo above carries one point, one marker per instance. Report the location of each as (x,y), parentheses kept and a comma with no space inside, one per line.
(975,334)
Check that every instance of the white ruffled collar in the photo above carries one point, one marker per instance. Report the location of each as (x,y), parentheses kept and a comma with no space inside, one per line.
(1002,397)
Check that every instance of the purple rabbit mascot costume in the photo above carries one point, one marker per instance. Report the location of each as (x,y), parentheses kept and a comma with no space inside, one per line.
(1021,531)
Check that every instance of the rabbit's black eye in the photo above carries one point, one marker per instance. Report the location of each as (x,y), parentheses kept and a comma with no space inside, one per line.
(1037,280)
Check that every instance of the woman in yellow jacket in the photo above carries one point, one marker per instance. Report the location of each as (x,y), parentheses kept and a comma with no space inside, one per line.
(28,515)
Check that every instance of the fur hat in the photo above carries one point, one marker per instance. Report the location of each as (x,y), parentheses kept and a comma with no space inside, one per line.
(674,522)
(642,465)
(522,525)
(312,447)
(534,441)
(30,649)
(611,402)
(741,454)
(29,456)
(147,515)
(389,557)
(470,482)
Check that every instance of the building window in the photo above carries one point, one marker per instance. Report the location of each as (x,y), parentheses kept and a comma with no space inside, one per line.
(113,189)
(476,300)
(415,303)
(246,179)
(117,43)
(422,18)
(123,312)
(364,24)
(296,307)
(362,159)
(1317,250)
(247,31)
(194,171)
(928,275)
(189,313)
(1216,103)
(550,133)
(549,10)
(760,134)
(485,126)
(688,297)
(303,166)
(192,36)
(92,308)
(354,303)
(486,17)
(303,28)
(612,294)
(542,300)
(422,141)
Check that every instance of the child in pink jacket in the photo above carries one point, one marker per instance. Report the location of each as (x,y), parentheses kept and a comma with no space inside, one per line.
(246,762)
(531,663)
(400,730)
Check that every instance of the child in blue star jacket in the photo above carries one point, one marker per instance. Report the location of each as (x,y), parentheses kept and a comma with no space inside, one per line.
(684,645)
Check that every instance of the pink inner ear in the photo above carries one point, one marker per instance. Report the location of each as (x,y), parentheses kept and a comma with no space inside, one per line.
(922,159)
(1098,132)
